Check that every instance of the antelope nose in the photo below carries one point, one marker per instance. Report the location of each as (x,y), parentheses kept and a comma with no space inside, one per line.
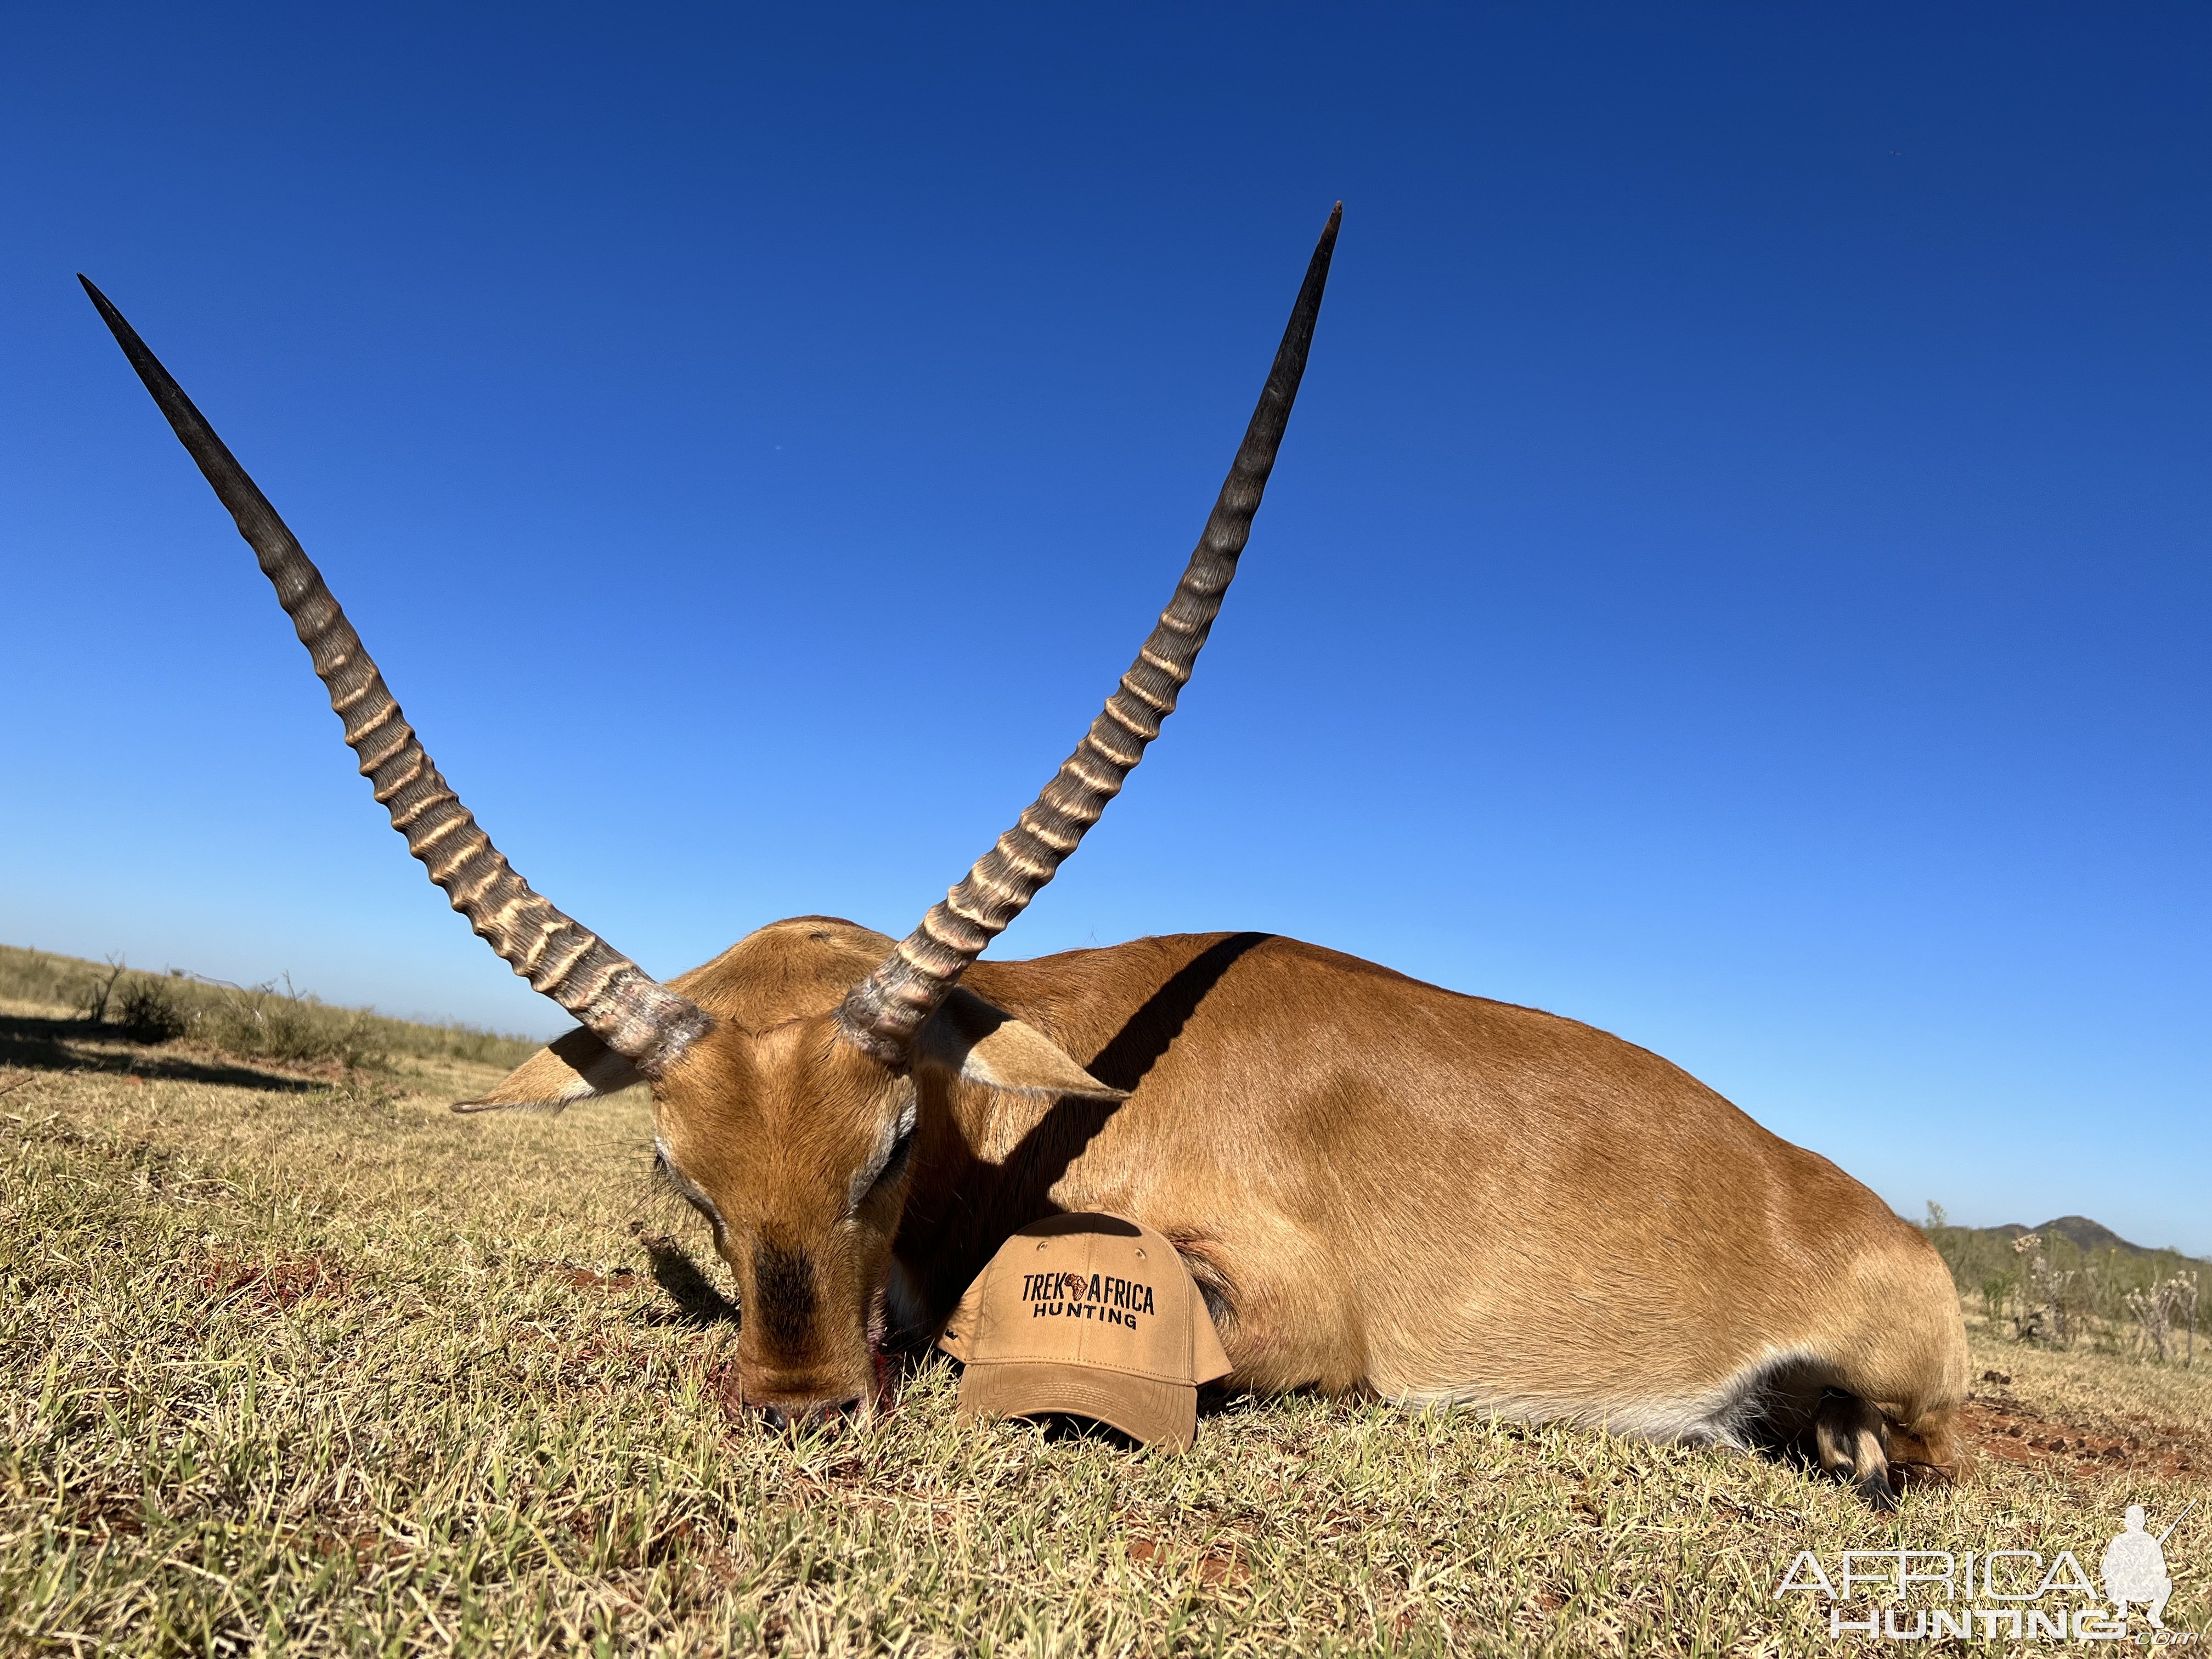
(820,1413)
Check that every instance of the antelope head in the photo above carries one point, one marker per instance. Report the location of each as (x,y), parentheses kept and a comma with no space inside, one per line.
(791,1076)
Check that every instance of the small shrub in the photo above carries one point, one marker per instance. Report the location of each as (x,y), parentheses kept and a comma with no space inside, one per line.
(1997,1291)
(2166,1310)
(93,994)
(148,1012)
(261,1023)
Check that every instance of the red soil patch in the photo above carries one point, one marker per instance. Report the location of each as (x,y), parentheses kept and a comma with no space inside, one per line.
(284,1283)
(111,1516)
(723,1382)
(1214,1566)
(588,1278)
(588,1365)
(371,1546)
(2012,1431)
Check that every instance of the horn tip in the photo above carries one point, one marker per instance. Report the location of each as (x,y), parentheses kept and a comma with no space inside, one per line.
(104,306)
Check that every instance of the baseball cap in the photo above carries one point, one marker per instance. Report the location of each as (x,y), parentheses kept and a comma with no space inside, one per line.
(1092,1314)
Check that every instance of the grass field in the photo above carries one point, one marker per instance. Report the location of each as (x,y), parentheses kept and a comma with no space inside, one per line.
(293,1360)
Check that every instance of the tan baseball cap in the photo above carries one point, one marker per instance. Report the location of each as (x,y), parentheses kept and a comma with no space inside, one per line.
(1090,1315)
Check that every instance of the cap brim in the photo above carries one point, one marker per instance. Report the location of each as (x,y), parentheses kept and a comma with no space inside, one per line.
(1156,1413)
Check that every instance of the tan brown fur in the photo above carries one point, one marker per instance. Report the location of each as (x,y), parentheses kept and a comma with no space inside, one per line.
(1386,1187)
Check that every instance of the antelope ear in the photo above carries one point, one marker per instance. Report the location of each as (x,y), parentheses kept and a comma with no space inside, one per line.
(577,1067)
(987,1045)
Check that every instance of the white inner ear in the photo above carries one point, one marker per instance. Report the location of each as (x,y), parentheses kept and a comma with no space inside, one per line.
(577,1067)
(986,1044)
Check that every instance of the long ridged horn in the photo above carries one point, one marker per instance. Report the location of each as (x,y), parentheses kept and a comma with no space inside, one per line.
(618,1001)
(885,1011)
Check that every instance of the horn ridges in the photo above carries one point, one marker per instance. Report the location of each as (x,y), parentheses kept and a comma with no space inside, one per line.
(885,1011)
(618,1001)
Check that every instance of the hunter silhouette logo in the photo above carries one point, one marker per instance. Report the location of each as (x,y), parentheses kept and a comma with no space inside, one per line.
(2134,1567)
(2016,1594)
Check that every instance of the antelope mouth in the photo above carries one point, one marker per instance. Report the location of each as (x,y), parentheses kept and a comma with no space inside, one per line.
(879,1359)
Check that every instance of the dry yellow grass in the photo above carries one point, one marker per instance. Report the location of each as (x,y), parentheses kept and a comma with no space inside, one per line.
(305,1365)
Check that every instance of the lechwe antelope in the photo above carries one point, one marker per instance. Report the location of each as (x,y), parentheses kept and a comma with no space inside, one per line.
(1380,1187)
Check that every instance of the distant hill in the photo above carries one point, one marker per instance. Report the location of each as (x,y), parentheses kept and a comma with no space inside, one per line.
(2085,1235)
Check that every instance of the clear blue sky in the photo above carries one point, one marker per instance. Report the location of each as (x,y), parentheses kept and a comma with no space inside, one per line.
(1737,575)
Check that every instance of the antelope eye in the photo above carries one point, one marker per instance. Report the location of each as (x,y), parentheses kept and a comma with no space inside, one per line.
(889,1167)
(895,1161)
(691,1195)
